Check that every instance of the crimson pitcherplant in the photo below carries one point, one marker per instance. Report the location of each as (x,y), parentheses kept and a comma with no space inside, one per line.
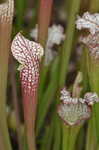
(28,53)
(74,110)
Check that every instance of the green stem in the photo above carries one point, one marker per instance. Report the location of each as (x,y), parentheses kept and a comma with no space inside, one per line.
(84,70)
(48,96)
(67,47)
(3,117)
(91,137)
(34,5)
(94,6)
(1,142)
(57,133)
(70,137)
(66,52)
(43,78)
(48,137)
(65,137)
(45,139)
(93,72)
(4,128)
(20,11)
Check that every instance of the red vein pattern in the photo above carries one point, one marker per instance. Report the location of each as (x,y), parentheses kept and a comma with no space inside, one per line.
(28,53)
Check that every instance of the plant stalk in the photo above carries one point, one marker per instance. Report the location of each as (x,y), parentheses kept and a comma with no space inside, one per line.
(47,96)
(93,74)
(67,46)
(30,104)
(44,17)
(44,20)
(69,137)
(15,104)
(6,16)
(91,143)
(65,56)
